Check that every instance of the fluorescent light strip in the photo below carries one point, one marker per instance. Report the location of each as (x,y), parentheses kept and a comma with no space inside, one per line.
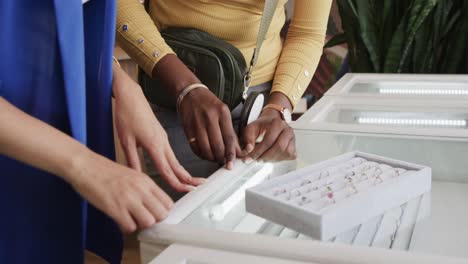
(424,91)
(412,122)
(219,211)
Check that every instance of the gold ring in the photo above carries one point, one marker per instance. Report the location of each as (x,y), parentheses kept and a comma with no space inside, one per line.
(191,140)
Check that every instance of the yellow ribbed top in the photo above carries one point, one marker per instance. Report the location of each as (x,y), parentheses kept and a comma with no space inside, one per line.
(290,64)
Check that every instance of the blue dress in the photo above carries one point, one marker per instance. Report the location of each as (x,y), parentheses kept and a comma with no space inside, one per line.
(56,65)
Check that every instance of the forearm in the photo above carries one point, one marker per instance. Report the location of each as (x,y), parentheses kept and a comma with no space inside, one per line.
(38,144)
(138,35)
(302,48)
(174,75)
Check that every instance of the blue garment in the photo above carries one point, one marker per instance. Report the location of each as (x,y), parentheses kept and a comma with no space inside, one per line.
(56,65)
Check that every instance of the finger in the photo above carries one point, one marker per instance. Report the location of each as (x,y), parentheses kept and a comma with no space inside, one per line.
(131,154)
(191,138)
(239,152)
(231,142)
(249,136)
(216,140)
(162,196)
(125,222)
(165,170)
(292,153)
(142,216)
(180,172)
(156,208)
(157,192)
(272,133)
(279,149)
(203,142)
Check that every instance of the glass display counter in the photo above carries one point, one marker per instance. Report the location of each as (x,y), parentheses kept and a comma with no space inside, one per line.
(429,229)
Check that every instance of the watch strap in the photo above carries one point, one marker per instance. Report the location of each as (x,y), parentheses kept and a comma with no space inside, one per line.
(276,107)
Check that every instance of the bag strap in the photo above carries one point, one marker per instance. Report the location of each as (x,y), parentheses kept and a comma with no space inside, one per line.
(267,16)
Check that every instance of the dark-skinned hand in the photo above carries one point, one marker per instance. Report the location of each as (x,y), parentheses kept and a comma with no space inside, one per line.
(205,118)
(208,120)
(278,140)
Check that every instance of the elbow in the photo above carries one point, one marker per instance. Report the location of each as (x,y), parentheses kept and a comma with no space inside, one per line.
(314,37)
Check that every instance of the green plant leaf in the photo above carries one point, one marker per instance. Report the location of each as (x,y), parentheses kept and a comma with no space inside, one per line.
(456,42)
(367,20)
(358,56)
(404,36)
(450,24)
(393,55)
(352,7)
(417,18)
(336,40)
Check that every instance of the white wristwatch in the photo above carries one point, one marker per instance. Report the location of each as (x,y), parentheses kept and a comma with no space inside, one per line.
(285,113)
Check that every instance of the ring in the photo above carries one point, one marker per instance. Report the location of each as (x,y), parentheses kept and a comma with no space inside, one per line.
(278,192)
(323,174)
(191,140)
(305,182)
(304,200)
(296,192)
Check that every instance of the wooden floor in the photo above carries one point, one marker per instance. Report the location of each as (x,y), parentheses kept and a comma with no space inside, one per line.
(131,253)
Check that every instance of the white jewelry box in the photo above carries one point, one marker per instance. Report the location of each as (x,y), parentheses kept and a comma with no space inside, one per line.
(342,214)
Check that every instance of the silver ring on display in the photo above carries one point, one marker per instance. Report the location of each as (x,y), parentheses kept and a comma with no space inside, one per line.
(278,192)
(324,174)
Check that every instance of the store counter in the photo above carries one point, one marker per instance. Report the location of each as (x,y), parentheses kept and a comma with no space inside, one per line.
(429,229)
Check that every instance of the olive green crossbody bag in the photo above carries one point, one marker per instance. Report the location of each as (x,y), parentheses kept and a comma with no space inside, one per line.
(218,64)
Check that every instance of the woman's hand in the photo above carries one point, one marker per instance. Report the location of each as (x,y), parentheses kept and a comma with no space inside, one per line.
(207,120)
(278,141)
(129,197)
(137,126)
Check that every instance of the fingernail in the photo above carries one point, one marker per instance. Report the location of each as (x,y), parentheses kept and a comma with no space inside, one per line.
(164,215)
(229,165)
(202,180)
(190,188)
(249,148)
(244,153)
(248,160)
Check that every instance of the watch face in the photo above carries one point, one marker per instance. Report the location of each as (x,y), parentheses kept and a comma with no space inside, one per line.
(287,115)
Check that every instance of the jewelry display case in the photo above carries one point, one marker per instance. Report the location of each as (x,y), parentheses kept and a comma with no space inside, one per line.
(197,219)
(430,131)
(402,86)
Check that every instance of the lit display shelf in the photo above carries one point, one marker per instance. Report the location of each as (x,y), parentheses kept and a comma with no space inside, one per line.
(404,86)
(429,118)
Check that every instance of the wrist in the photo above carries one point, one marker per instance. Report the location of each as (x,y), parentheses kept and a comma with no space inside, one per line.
(117,75)
(284,113)
(280,99)
(174,75)
(75,170)
(123,85)
(187,91)
(271,113)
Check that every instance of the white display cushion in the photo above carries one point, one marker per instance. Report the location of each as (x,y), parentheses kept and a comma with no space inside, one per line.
(326,199)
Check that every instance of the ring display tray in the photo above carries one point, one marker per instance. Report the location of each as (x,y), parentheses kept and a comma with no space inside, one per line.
(334,196)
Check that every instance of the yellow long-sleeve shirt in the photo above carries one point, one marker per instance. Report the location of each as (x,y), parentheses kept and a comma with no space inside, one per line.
(290,64)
